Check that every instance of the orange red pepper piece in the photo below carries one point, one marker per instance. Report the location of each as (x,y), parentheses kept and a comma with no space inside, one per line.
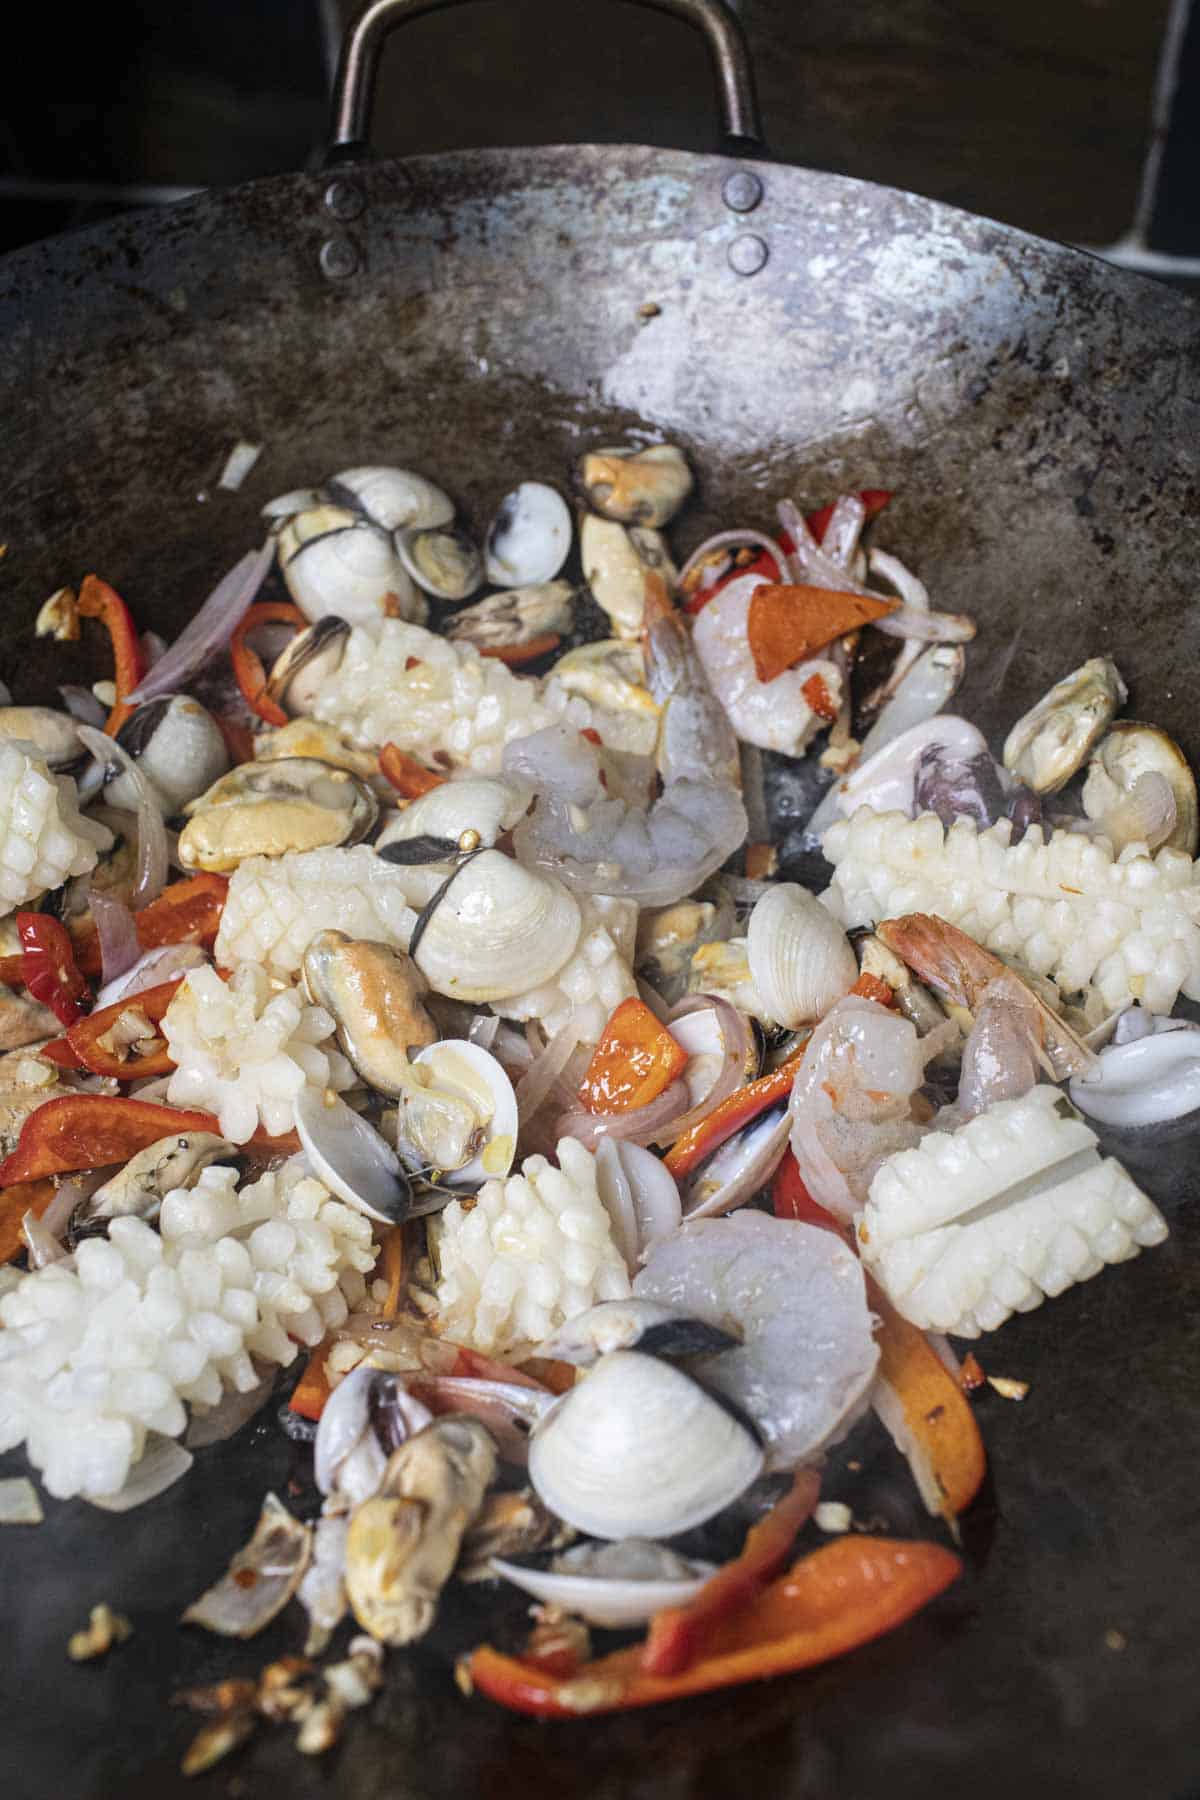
(312,1390)
(408,776)
(679,1635)
(15,1202)
(635,1061)
(99,601)
(84,1036)
(89,1131)
(248,667)
(838,1598)
(874,500)
(787,623)
(874,987)
(690,1150)
(514,654)
(48,966)
(187,912)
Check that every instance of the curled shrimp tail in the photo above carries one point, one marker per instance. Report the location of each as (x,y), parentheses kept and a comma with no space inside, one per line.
(695,738)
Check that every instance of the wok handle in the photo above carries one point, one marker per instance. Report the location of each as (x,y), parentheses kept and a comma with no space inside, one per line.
(354,87)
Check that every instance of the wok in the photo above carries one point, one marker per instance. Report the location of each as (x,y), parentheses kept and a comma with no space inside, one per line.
(481,316)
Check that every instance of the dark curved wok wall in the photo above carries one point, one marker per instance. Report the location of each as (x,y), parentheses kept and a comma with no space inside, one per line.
(1037,414)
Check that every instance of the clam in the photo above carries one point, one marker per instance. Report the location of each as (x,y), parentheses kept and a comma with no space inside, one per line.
(515,616)
(742,1165)
(612,1585)
(1130,752)
(442,562)
(351,1157)
(669,936)
(52,733)
(512,1523)
(392,498)
(1053,739)
(483,805)
(641,487)
(529,539)
(462,1118)
(800,958)
(311,657)
(139,1188)
(374,993)
(335,562)
(639,1449)
(638,1193)
(267,809)
(403,1544)
(615,563)
(177,745)
(495,929)
(634,1324)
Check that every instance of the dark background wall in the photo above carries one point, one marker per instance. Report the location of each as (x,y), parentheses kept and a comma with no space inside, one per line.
(1033,111)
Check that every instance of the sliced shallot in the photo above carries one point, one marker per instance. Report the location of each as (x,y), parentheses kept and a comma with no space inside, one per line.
(162,1463)
(642,1125)
(153,857)
(117,933)
(211,629)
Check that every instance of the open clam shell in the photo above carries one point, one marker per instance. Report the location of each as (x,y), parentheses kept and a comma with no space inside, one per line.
(610,1601)
(1053,739)
(351,1157)
(443,562)
(471,1075)
(312,656)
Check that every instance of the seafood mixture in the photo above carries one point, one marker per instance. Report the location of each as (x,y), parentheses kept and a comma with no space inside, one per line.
(399,989)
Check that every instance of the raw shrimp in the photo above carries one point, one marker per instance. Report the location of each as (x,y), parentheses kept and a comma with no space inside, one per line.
(599,844)
(1003,1051)
(961,970)
(774,715)
(795,1295)
(851,1101)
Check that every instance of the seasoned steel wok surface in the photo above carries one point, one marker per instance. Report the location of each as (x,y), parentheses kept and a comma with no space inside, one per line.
(1037,415)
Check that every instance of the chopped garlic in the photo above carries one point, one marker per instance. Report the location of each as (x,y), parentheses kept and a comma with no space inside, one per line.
(104,1629)
(833,1515)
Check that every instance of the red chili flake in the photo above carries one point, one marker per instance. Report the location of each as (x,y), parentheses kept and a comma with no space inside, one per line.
(818,697)
(246,1578)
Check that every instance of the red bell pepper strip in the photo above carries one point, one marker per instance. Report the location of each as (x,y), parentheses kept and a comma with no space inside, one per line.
(99,601)
(842,1596)
(514,654)
(89,1131)
(939,1419)
(874,987)
(59,1052)
(787,623)
(679,1635)
(187,912)
(84,1037)
(15,1202)
(48,966)
(873,499)
(635,1061)
(312,1390)
(408,776)
(688,1151)
(248,668)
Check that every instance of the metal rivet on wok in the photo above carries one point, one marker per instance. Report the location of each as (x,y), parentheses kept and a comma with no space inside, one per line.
(747,254)
(742,191)
(339,258)
(344,200)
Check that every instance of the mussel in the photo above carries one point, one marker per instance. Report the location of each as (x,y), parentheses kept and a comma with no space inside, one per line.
(616,559)
(308,660)
(266,809)
(1052,740)
(641,487)
(1128,755)
(442,561)
(375,995)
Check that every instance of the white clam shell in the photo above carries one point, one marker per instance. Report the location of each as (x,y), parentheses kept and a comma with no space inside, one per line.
(639,1449)
(350,1157)
(1145,1081)
(470,1073)
(443,563)
(529,539)
(479,803)
(395,498)
(739,1168)
(181,755)
(604,1600)
(346,570)
(801,960)
(499,930)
